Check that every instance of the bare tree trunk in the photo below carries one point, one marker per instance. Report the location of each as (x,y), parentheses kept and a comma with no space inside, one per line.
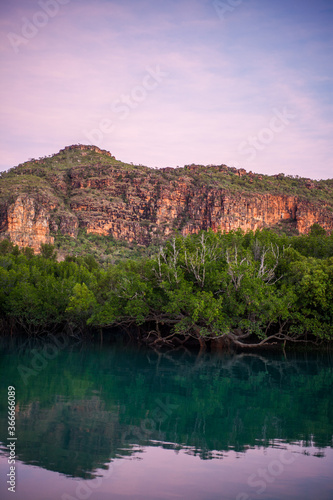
(202,343)
(220,344)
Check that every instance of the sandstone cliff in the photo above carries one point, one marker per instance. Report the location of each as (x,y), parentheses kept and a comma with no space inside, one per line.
(86,187)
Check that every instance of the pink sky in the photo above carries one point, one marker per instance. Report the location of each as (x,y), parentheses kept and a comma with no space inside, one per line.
(157,473)
(170,83)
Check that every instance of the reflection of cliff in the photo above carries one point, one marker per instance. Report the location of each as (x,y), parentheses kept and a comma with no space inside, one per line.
(85,187)
(88,407)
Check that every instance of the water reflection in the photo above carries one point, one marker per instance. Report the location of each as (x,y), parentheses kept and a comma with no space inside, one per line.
(89,405)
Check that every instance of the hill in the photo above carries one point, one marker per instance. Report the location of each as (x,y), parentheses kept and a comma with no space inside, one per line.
(85,196)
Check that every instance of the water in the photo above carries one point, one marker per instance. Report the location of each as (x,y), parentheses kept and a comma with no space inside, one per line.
(115,422)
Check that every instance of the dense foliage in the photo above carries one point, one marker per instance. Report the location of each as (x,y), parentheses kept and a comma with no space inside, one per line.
(245,289)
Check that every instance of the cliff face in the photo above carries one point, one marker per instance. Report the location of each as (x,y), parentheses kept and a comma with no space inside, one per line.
(85,187)
(26,223)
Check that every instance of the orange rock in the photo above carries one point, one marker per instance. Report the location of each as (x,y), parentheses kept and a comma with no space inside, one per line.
(28,224)
(142,205)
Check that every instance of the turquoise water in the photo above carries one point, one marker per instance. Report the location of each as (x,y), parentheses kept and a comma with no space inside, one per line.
(123,422)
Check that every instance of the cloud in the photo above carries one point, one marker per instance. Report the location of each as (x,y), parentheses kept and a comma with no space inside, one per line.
(224,79)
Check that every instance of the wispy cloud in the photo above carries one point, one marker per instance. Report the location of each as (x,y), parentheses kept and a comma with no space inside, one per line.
(224,81)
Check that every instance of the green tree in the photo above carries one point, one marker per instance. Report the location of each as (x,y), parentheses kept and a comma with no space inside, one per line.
(48,251)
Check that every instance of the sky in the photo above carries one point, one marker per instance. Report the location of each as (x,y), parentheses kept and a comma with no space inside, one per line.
(165,83)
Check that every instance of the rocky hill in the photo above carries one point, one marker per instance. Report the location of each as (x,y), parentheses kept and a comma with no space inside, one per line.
(86,188)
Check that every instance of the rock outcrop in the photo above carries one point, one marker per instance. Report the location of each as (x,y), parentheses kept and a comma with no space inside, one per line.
(86,187)
(26,223)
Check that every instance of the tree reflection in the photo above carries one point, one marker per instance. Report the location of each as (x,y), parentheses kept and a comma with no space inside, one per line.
(91,405)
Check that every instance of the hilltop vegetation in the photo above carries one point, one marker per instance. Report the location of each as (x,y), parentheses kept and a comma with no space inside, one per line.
(94,204)
(51,172)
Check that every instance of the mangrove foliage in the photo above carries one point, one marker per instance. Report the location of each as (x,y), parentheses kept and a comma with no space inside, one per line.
(242,289)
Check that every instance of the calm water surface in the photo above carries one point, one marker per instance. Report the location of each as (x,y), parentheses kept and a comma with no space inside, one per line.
(116,422)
